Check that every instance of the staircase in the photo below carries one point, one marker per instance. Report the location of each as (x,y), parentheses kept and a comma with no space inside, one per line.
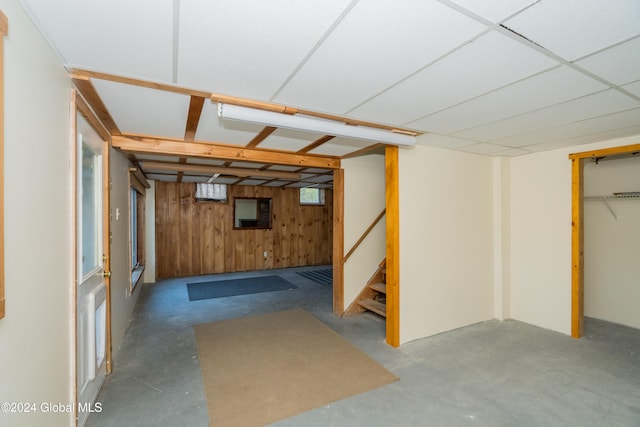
(373,296)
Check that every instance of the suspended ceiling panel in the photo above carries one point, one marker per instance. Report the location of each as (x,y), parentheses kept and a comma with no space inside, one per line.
(581,128)
(288,140)
(598,104)
(497,61)
(249,47)
(340,147)
(153,158)
(543,90)
(573,29)
(634,88)
(394,47)
(208,162)
(213,129)
(495,10)
(444,141)
(619,65)
(140,110)
(114,36)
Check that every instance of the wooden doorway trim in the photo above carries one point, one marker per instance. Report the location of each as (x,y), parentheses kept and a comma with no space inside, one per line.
(577,228)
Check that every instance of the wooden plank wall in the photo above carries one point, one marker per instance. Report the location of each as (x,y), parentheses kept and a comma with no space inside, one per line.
(198,238)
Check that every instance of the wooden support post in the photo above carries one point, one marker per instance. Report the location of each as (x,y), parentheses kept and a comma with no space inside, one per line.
(577,248)
(393,246)
(338,241)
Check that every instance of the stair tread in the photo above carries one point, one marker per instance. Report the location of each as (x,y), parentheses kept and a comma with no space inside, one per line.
(379,287)
(375,306)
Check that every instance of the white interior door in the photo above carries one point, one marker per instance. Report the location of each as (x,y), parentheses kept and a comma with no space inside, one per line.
(92,252)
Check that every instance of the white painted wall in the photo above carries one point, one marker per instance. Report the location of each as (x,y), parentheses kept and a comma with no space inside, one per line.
(36,336)
(612,246)
(541,235)
(446,241)
(364,199)
(122,302)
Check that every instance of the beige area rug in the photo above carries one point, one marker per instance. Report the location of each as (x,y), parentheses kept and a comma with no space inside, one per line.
(261,369)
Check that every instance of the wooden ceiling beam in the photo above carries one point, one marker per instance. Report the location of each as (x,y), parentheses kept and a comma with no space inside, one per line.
(264,133)
(211,170)
(316,143)
(222,152)
(90,94)
(193,117)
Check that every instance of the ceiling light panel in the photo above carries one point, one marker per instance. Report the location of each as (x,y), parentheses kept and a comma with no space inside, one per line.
(248,48)
(212,128)
(393,38)
(573,29)
(495,10)
(497,61)
(619,64)
(145,111)
(137,42)
(598,104)
(546,89)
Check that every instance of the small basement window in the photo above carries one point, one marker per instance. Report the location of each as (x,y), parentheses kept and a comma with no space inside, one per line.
(312,196)
(206,192)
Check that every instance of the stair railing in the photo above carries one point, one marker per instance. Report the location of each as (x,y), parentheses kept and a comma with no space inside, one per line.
(364,235)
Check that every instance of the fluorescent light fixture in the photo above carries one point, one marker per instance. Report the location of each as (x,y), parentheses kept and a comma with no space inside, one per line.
(309,124)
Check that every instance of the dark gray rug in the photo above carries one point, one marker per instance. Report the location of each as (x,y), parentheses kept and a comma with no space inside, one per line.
(324,277)
(228,288)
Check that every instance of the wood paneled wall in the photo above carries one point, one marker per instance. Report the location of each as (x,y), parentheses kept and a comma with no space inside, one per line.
(195,238)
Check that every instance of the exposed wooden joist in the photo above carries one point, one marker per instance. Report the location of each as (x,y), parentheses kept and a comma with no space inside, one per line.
(363,151)
(84,109)
(264,133)
(90,94)
(211,170)
(139,175)
(139,82)
(193,117)
(316,143)
(223,152)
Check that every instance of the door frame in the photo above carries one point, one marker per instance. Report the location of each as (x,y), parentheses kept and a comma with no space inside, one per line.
(577,228)
(79,105)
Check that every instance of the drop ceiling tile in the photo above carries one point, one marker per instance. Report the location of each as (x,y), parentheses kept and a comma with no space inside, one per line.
(153,158)
(598,104)
(340,147)
(284,168)
(497,61)
(213,129)
(485,149)
(208,162)
(123,37)
(193,178)
(545,89)
(316,170)
(388,37)
(444,141)
(248,48)
(320,178)
(609,122)
(619,64)
(145,111)
(276,183)
(252,182)
(573,29)
(298,184)
(634,88)
(225,180)
(288,140)
(495,10)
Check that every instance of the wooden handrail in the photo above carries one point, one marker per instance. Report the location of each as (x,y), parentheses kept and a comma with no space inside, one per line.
(364,235)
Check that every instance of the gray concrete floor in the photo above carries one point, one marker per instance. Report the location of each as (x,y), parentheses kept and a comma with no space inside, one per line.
(489,374)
